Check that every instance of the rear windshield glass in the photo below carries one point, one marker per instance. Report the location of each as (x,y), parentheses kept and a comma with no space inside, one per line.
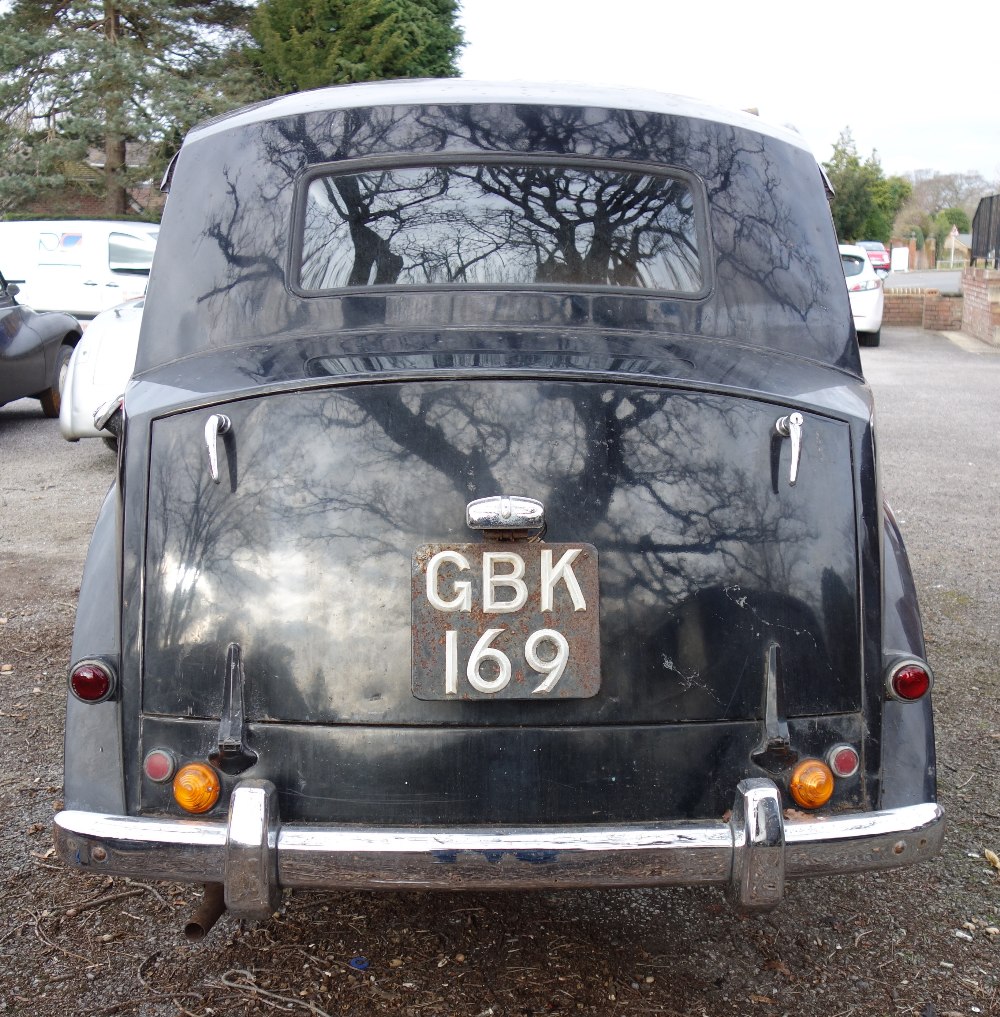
(500,225)
(853,265)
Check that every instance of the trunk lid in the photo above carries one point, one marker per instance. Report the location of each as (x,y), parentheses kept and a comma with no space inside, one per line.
(302,553)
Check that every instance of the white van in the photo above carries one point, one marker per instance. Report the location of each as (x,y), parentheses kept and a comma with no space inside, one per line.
(81,266)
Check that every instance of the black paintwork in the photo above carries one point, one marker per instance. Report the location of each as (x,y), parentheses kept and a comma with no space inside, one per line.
(230,232)
(363,421)
(297,556)
(29,344)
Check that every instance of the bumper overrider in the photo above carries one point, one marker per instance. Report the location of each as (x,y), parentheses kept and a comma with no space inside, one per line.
(254,856)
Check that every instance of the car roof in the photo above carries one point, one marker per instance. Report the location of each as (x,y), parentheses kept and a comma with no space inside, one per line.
(433,91)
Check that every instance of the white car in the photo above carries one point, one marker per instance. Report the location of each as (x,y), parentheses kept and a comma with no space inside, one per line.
(864,287)
(100,368)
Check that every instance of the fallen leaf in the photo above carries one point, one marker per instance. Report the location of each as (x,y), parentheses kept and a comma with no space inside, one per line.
(754,998)
(796,814)
(778,965)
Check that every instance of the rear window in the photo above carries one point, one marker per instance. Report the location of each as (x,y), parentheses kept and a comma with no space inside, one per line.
(501,225)
(871,245)
(853,265)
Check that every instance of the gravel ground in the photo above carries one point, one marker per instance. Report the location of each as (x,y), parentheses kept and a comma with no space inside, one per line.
(919,941)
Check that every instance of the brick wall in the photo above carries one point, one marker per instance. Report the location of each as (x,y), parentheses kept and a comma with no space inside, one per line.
(942,313)
(903,307)
(73,202)
(923,309)
(981,311)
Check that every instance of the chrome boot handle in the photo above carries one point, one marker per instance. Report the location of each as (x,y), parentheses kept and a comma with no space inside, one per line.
(791,427)
(505,512)
(217,423)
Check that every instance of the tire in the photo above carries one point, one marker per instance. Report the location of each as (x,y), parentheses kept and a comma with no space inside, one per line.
(870,338)
(51,399)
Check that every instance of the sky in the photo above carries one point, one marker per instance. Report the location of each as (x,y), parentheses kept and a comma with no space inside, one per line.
(901,74)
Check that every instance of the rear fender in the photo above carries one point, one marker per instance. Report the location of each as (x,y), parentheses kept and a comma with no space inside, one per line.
(94,777)
(909,773)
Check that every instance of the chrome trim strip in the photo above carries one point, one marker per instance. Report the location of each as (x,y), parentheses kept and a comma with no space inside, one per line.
(489,858)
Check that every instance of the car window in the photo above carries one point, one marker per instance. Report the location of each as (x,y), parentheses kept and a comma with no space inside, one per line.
(62,249)
(129,254)
(853,265)
(500,224)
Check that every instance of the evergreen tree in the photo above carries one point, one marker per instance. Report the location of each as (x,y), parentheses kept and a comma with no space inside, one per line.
(311,43)
(82,74)
(865,201)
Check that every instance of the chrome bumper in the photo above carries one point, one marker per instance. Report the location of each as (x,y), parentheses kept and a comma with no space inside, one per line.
(254,855)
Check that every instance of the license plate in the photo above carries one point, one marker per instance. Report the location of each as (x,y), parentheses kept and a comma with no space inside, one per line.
(505,620)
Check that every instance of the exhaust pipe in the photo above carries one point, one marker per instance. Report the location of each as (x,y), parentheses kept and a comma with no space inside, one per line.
(207,914)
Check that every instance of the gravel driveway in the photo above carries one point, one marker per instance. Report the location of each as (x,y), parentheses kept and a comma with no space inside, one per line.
(919,941)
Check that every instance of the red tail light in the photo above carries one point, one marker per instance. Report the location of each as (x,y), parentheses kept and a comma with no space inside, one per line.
(843,760)
(909,680)
(160,765)
(92,681)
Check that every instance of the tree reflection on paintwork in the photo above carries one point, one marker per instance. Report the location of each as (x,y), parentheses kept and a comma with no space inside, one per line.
(770,280)
(304,557)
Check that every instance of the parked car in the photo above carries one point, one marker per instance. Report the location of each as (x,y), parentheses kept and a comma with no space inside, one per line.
(99,370)
(35,350)
(81,266)
(865,290)
(877,255)
(498,506)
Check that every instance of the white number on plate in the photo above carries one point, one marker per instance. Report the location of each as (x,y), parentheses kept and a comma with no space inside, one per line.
(551,666)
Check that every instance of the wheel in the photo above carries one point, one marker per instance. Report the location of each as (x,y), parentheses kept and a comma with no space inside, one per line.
(870,338)
(51,399)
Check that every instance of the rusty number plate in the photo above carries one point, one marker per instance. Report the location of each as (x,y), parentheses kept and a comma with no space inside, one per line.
(505,620)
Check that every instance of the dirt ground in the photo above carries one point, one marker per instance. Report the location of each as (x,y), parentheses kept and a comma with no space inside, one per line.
(921,941)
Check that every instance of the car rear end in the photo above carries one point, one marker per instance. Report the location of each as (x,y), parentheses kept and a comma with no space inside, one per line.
(877,255)
(462,581)
(865,290)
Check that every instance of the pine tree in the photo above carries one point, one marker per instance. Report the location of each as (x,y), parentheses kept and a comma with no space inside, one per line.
(82,74)
(311,43)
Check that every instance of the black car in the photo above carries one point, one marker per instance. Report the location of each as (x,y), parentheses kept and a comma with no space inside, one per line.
(35,350)
(498,506)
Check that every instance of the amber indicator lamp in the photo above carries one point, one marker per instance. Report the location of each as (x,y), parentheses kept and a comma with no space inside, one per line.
(812,783)
(197,787)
